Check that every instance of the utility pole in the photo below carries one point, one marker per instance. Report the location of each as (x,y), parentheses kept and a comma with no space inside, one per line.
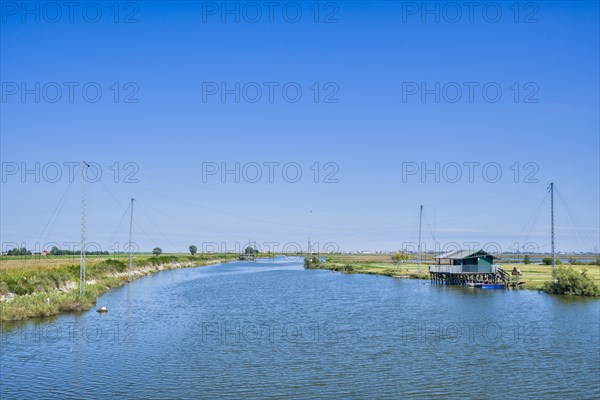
(130,242)
(308,248)
(420,225)
(552,224)
(82,244)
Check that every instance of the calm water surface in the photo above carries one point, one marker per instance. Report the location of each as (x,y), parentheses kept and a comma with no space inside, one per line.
(270,329)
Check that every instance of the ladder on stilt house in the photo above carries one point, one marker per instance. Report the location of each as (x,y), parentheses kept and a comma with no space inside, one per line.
(503,276)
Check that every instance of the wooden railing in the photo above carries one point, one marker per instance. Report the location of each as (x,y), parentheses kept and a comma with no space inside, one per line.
(504,276)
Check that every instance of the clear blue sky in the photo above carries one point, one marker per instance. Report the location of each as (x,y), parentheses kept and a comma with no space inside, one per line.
(373,55)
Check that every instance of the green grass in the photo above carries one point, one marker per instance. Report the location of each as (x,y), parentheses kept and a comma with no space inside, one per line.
(50,285)
(535,276)
(375,266)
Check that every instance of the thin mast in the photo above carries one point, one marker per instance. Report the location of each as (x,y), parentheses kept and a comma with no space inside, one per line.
(552,224)
(420,226)
(130,241)
(82,243)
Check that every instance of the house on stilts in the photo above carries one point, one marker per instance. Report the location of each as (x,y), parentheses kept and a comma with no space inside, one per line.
(469,268)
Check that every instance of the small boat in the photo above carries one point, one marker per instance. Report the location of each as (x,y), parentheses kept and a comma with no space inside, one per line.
(490,285)
(102,310)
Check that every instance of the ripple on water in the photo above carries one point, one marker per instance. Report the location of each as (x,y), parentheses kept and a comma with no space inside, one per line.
(273,330)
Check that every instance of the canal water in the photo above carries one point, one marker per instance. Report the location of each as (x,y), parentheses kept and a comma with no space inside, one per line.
(271,329)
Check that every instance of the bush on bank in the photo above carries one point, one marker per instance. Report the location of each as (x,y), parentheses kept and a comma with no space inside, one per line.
(567,281)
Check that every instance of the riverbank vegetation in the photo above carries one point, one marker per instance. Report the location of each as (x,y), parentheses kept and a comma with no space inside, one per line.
(577,279)
(370,265)
(567,281)
(48,285)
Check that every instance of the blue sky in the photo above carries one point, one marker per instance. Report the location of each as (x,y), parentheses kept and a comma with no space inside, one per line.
(368,125)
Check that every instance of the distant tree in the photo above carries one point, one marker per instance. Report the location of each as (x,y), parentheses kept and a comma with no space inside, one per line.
(400,256)
(527,260)
(193,249)
(548,261)
(55,251)
(18,252)
(250,250)
(157,251)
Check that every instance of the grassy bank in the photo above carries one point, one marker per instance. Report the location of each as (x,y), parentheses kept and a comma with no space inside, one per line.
(534,275)
(39,287)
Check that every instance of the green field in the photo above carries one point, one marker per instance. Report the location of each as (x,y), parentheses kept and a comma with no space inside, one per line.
(37,286)
(534,275)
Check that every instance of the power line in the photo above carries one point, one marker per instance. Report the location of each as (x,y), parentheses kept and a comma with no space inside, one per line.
(183,221)
(533,219)
(373,228)
(133,221)
(155,225)
(579,227)
(145,233)
(112,195)
(55,212)
(492,209)
(233,214)
(118,226)
(430,228)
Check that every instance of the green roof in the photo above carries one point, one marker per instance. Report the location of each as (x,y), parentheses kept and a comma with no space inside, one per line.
(461,254)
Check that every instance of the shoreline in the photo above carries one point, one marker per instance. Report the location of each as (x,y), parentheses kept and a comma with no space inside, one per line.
(534,276)
(51,288)
(353,270)
(65,298)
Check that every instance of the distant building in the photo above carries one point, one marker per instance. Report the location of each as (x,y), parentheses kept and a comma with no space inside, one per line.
(468,260)
(470,268)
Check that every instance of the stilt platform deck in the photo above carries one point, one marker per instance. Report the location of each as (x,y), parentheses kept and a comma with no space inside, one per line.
(453,275)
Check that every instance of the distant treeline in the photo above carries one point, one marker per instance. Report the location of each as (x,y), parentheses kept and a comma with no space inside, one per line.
(55,251)
(18,252)
(59,252)
(558,261)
